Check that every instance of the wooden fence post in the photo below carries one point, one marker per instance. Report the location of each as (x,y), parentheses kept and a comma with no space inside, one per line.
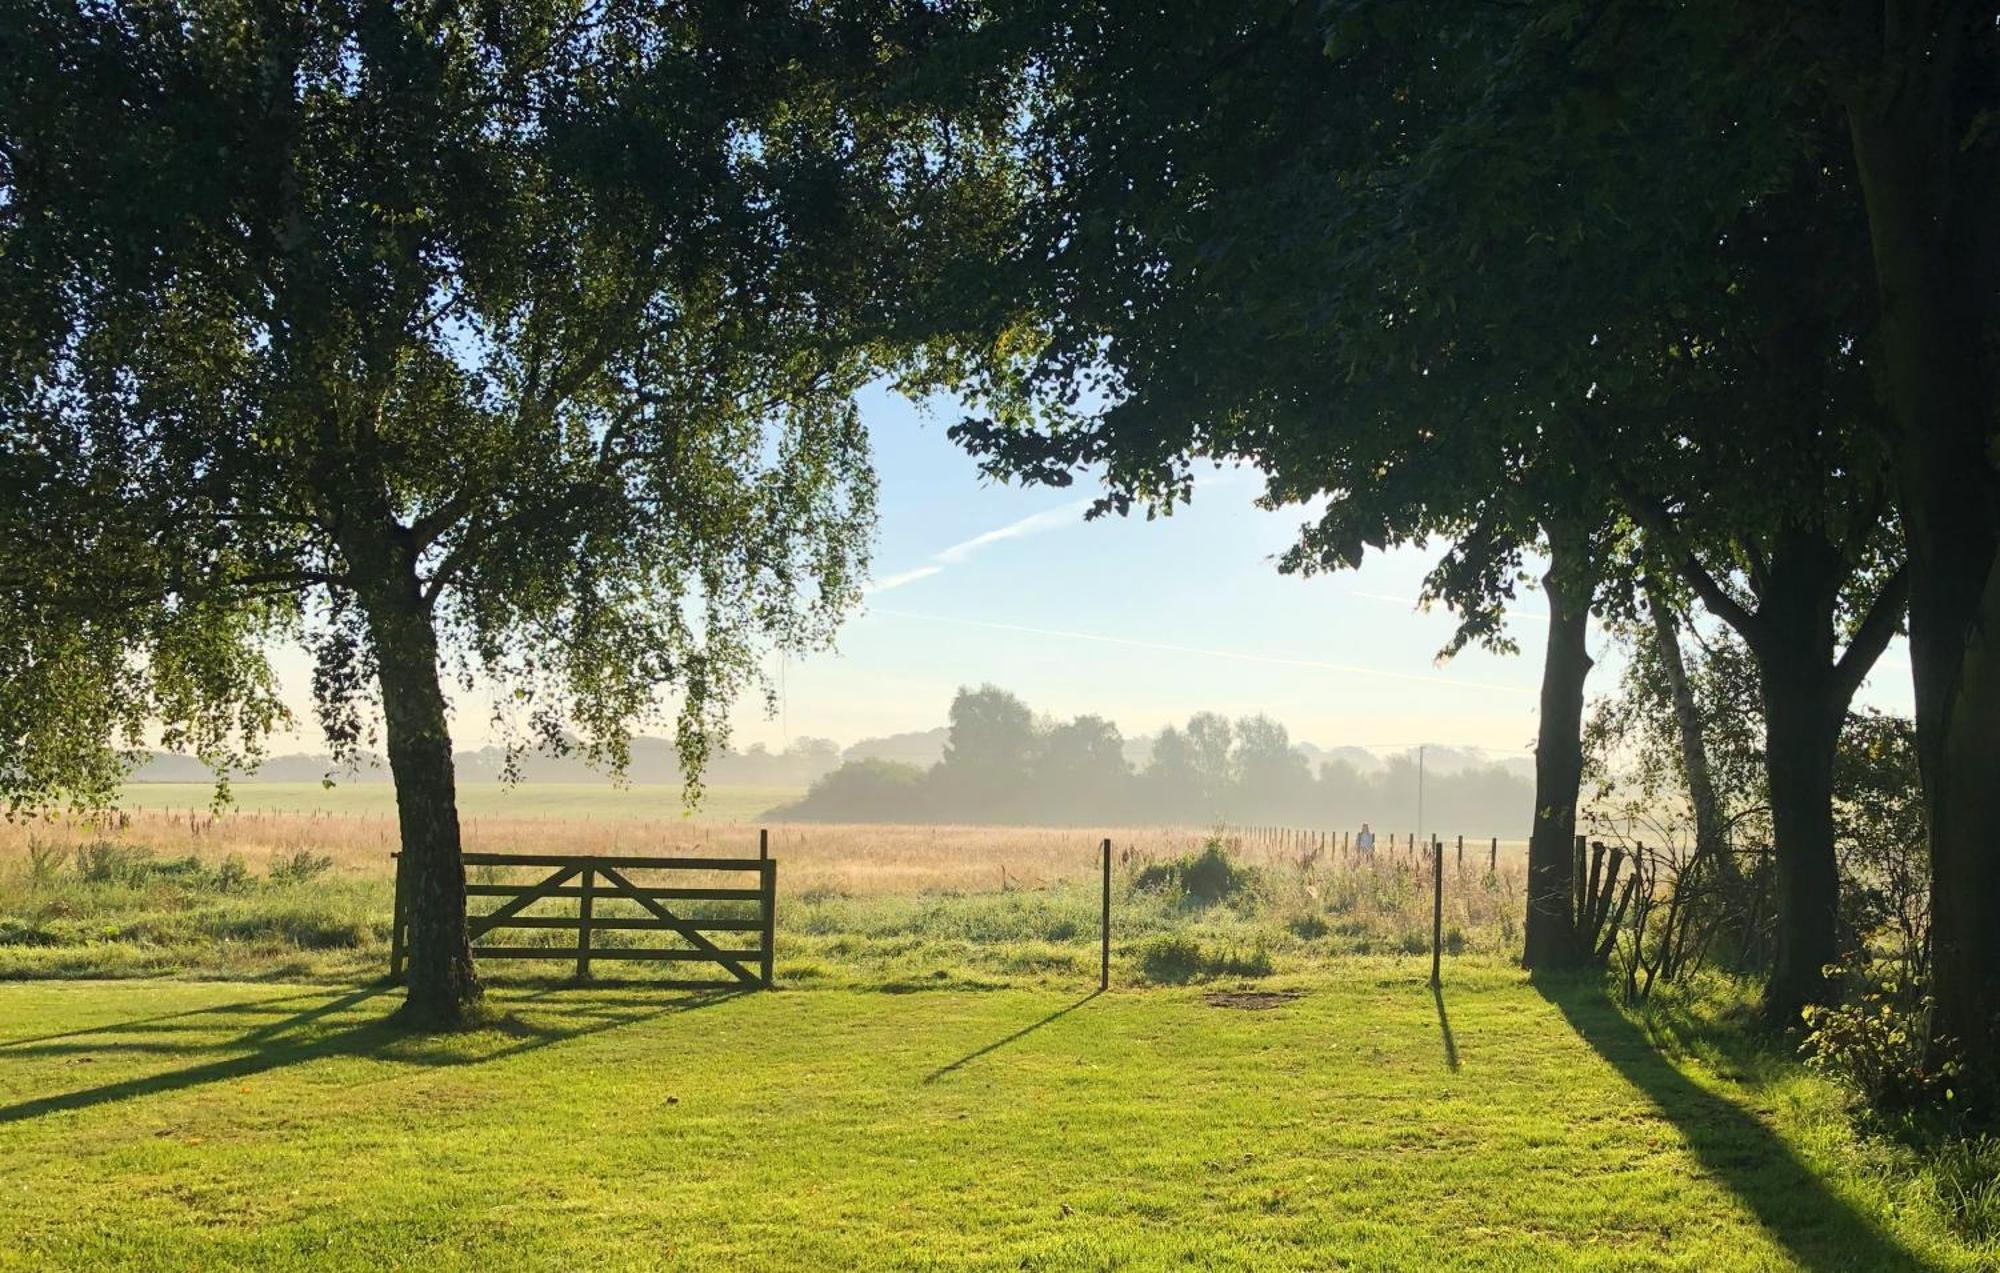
(1104,953)
(767,884)
(583,908)
(1437,908)
(1493,857)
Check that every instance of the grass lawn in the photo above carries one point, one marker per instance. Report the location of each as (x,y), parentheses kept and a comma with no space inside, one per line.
(1361,1125)
(573,801)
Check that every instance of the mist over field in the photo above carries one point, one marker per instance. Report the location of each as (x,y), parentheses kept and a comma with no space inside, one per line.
(998,762)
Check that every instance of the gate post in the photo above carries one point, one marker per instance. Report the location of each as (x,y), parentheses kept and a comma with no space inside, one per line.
(767,884)
(583,924)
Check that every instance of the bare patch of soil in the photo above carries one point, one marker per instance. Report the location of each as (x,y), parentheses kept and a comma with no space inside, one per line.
(1250,1000)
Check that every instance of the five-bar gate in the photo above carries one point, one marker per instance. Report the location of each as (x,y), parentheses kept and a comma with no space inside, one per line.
(592,896)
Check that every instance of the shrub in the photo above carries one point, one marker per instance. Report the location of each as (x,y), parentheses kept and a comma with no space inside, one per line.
(232,876)
(1307,927)
(103,862)
(299,866)
(1174,958)
(1879,1046)
(45,860)
(1207,877)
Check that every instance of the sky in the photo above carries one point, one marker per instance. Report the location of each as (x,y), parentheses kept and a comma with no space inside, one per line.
(1143,622)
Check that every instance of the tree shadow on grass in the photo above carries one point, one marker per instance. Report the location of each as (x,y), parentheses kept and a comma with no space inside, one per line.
(248,1006)
(997,1044)
(1735,1148)
(307,1036)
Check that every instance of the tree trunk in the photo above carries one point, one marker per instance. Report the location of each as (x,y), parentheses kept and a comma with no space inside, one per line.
(442,982)
(1551,927)
(1928,207)
(1803,712)
(1710,831)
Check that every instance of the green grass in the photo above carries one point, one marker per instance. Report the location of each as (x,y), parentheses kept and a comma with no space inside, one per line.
(171,916)
(1361,1125)
(570,800)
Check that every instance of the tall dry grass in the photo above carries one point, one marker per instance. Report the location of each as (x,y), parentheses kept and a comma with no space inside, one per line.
(858,860)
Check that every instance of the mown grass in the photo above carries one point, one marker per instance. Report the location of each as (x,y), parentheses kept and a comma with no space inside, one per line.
(1362,1124)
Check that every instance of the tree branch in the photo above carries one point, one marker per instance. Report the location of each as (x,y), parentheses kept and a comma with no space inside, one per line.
(1872,637)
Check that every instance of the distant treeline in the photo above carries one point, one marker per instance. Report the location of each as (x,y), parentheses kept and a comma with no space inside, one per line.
(654,760)
(1003,764)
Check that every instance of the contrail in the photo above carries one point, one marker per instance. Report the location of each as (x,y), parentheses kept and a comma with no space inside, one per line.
(1237,655)
(956,554)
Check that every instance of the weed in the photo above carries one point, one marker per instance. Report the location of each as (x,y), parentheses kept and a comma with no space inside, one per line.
(299,866)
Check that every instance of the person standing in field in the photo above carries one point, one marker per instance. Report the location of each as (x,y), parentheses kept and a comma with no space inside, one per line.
(1364,844)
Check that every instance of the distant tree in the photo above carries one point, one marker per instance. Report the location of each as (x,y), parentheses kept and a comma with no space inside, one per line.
(867,790)
(989,755)
(1273,778)
(508,342)
(1170,781)
(1211,751)
(1080,772)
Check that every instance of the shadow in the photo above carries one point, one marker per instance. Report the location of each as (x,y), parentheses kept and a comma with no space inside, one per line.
(1444,1025)
(249,1006)
(301,1037)
(1735,1148)
(1018,1035)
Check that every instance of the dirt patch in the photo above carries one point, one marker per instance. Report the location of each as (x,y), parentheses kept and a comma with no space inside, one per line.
(1250,1000)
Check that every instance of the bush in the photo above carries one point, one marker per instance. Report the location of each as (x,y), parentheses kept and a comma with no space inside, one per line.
(45,861)
(299,866)
(232,876)
(1174,958)
(1879,1046)
(103,862)
(1307,927)
(1207,877)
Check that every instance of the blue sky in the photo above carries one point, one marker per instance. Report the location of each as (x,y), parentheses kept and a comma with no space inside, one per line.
(1145,622)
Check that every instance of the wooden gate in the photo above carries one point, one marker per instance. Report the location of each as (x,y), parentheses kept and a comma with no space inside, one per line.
(607,900)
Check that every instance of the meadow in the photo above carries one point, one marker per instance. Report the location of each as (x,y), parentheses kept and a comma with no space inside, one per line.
(252,893)
(194,1059)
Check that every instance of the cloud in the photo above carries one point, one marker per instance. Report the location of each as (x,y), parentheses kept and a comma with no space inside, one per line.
(957,554)
(1349,669)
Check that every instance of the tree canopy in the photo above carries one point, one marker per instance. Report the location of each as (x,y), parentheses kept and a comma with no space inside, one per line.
(506,346)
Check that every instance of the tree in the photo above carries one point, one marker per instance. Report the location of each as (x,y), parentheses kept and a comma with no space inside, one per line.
(1211,747)
(1273,778)
(1918,84)
(1080,772)
(1420,267)
(508,344)
(989,753)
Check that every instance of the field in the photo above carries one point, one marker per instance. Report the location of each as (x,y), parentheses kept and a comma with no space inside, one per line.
(252,894)
(582,802)
(1361,1124)
(195,1071)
